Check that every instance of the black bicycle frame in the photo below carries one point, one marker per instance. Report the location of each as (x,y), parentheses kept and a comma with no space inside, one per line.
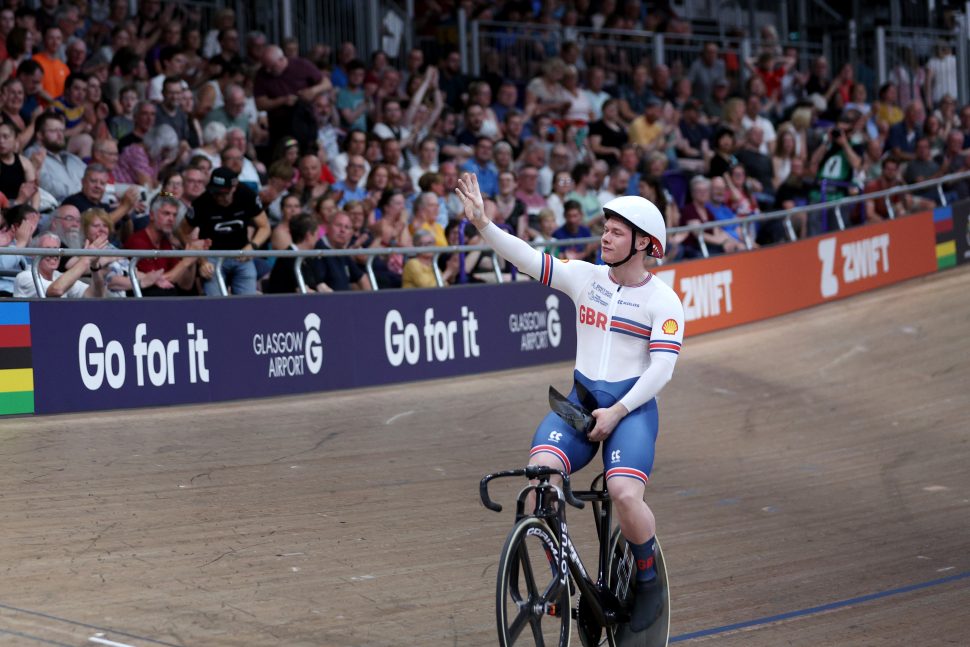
(548,498)
(606,605)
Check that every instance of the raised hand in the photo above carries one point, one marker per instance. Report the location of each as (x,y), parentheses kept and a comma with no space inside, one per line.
(100,242)
(38,157)
(26,229)
(26,191)
(471,197)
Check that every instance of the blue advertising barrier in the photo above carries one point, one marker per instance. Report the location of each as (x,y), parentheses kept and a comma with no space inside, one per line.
(110,354)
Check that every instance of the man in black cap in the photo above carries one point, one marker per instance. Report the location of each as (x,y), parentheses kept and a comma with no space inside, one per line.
(226,214)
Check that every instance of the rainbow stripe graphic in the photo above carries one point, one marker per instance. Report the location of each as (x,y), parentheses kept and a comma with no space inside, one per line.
(16,360)
(946,246)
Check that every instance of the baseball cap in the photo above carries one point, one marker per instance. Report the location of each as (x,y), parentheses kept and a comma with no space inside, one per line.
(223,180)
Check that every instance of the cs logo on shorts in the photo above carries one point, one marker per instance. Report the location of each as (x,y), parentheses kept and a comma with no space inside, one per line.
(555,436)
(615,456)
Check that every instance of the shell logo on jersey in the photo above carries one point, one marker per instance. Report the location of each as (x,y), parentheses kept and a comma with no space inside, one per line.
(669,327)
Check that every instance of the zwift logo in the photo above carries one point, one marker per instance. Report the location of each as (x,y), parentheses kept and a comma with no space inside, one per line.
(855,261)
(703,295)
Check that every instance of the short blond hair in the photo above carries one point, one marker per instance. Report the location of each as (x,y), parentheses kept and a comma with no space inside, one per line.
(90,215)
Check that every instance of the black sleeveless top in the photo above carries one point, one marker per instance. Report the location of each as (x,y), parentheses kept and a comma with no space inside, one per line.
(11,178)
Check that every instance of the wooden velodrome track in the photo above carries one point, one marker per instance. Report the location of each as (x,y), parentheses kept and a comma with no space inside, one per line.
(812,488)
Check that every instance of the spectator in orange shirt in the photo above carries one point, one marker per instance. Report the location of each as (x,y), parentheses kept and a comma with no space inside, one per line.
(56,71)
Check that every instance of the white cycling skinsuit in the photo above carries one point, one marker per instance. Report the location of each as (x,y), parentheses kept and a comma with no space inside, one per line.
(627,342)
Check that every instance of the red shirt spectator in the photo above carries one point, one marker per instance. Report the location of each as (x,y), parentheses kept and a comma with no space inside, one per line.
(142,239)
(876,209)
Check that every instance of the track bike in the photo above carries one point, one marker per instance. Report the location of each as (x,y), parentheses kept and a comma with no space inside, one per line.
(540,572)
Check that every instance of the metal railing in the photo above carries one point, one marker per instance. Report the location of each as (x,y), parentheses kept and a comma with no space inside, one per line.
(899,53)
(518,50)
(838,206)
(219,256)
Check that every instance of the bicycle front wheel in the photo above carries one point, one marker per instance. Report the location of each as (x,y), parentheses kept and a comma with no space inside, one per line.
(532,595)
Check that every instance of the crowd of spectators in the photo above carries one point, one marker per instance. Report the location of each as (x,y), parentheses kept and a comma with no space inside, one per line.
(146,131)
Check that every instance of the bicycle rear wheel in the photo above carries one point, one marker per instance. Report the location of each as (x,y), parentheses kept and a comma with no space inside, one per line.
(532,594)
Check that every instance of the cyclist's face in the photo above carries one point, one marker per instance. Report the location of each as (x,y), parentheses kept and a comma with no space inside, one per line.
(616,240)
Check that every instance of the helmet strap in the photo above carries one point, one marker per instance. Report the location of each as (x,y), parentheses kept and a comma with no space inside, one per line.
(633,250)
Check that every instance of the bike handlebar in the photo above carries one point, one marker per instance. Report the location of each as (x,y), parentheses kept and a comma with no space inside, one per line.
(530,472)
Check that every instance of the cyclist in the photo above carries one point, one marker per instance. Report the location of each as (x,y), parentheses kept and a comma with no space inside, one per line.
(629,334)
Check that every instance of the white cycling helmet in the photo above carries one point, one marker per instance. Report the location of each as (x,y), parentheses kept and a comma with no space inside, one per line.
(642,215)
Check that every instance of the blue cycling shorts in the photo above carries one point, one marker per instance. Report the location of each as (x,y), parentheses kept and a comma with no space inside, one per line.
(627,452)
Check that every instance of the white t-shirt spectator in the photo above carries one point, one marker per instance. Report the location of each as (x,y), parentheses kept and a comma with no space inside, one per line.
(597,99)
(24,286)
(338,167)
(768,145)
(580,107)
(944,79)
(416,171)
(384,131)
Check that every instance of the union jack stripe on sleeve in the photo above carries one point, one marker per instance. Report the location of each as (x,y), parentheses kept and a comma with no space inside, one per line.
(665,346)
(630,327)
(545,275)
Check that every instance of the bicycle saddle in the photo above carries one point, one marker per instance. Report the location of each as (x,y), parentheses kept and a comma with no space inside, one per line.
(577,416)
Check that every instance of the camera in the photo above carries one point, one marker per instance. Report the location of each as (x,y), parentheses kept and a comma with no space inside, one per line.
(836,133)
